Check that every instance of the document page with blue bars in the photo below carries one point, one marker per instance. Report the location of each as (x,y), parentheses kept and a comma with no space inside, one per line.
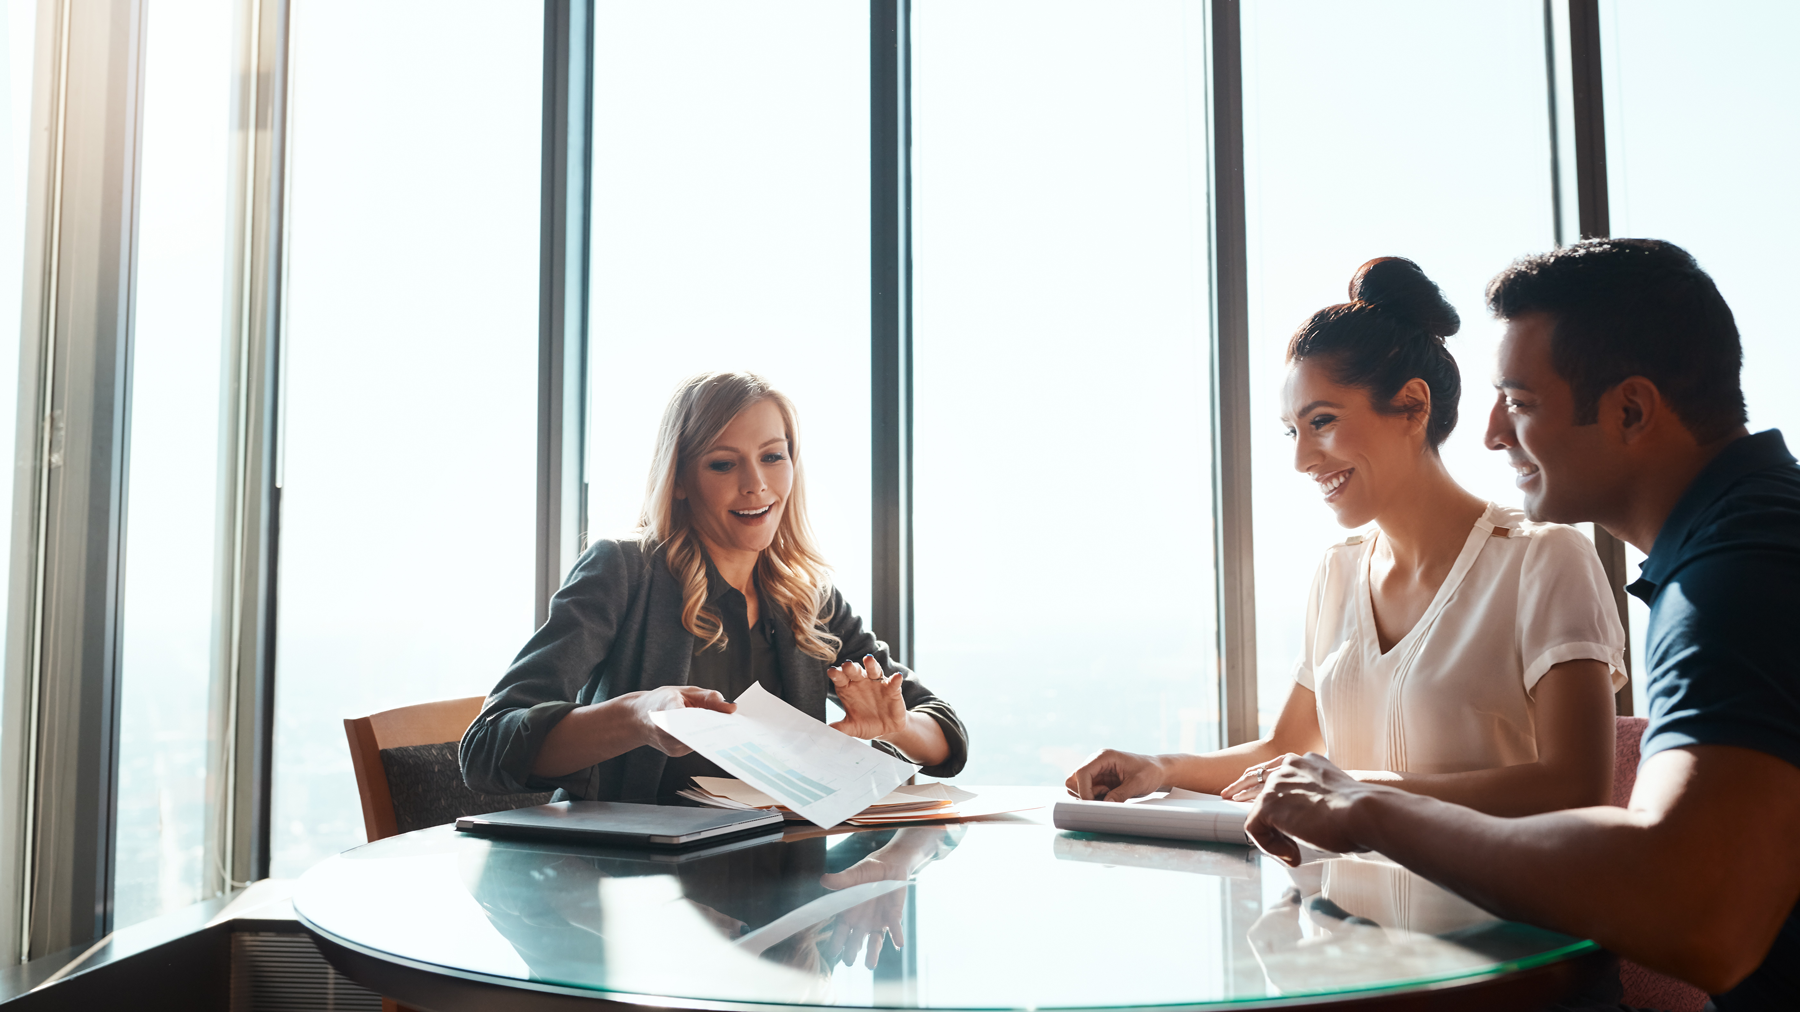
(814,769)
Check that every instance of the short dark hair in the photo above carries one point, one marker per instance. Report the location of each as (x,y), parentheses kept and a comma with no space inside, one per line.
(1632,307)
(1390,332)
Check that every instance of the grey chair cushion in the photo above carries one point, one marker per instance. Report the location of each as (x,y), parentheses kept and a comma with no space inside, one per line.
(427,785)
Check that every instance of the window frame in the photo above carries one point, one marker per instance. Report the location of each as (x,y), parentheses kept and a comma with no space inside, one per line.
(61,675)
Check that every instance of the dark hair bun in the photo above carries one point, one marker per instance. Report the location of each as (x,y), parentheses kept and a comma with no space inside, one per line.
(1397,285)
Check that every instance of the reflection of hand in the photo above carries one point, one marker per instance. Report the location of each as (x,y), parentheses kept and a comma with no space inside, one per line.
(871,922)
(1279,926)
(1306,798)
(1248,786)
(670,697)
(1111,775)
(873,705)
(884,915)
(896,860)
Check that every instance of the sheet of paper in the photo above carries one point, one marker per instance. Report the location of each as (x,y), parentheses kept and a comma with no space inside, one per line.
(906,794)
(821,773)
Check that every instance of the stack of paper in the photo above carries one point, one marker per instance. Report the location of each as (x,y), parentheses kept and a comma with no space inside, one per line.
(1179,815)
(906,803)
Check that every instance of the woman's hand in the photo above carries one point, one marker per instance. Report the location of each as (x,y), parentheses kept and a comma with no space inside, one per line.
(640,705)
(1112,775)
(1248,786)
(873,706)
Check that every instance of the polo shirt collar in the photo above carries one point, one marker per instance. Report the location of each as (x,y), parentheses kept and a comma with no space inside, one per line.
(1743,456)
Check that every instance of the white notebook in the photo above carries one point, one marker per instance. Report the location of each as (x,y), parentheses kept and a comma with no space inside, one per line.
(1181,815)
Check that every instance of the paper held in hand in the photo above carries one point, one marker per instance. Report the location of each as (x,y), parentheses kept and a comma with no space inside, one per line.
(820,772)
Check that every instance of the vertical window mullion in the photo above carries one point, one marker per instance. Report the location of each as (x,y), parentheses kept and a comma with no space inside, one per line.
(1231,381)
(244,676)
(890,292)
(63,656)
(563,292)
(1595,218)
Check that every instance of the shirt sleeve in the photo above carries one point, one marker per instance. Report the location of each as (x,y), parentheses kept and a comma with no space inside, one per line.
(856,641)
(1721,667)
(1566,607)
(545,681)
(1303,665)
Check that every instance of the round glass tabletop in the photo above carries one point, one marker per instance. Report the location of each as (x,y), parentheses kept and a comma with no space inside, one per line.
(988,915)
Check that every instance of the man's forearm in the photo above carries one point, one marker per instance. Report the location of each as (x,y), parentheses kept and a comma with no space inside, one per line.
(1524,789)
(1600,873)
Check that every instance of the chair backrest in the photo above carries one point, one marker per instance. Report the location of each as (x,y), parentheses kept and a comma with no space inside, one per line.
(1628,735)
(1644,988)
(408,770)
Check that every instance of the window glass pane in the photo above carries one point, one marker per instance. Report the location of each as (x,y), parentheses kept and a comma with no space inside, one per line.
(409,472)
(1702,140)
(731,231)
(1062,506)
(18,37)
(1398,127)
(171,513)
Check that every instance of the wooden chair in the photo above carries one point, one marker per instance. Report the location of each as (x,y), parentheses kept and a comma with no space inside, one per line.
(408,729)
(404,727)
(1644,988)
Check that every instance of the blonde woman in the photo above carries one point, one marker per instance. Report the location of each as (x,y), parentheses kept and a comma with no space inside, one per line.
(720,589)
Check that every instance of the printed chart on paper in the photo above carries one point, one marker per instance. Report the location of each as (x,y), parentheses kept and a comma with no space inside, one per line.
(822,773)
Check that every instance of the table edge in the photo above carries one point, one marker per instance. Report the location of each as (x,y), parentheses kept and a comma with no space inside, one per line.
(1578,962)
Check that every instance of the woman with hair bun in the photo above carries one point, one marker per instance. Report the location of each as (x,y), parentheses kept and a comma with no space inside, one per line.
(1453,648)
(720,589)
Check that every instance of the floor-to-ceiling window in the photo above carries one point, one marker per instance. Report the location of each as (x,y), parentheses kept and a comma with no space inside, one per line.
(171,520)
(1063,520)
(1701,138)
(731,231)
(409,450)
(1390,128)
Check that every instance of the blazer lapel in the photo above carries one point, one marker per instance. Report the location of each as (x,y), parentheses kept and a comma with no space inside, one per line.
(668,656)
(668,646)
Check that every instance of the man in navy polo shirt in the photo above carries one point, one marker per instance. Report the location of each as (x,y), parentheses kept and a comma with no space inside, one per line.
(1619,403)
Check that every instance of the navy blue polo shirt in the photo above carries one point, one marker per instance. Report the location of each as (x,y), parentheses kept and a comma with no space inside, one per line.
(1723,585)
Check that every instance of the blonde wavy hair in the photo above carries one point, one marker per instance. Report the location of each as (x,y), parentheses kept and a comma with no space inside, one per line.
(791,572)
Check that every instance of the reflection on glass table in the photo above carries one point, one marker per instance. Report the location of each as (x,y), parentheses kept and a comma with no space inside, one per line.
(997,914)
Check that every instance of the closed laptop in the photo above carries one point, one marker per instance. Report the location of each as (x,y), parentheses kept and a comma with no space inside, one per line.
(616,822)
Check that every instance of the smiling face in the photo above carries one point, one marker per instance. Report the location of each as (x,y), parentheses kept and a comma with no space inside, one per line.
(1564,469)
(737,488)
(1360,458)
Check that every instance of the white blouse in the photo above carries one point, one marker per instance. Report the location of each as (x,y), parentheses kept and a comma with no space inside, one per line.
(1455,694)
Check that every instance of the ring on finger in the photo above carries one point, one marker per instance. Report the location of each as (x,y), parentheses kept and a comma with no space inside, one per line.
(1261,772)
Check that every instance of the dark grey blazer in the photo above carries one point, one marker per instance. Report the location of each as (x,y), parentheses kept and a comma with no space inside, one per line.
(615,627)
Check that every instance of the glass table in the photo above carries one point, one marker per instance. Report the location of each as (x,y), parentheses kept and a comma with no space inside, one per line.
(1003,913)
